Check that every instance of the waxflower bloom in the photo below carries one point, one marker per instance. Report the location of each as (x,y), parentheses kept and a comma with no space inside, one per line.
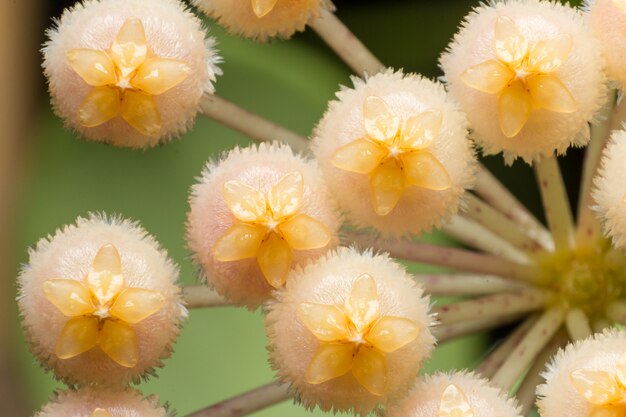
(349,331)
(454,395)
(102,402)
(610,190)
(129,72)
(92,298)
(607,21)
(254,216)
(529,75)
(263,19)
(587,379)
(393,146)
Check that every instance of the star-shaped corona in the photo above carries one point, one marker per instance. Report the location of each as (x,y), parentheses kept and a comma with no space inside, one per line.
(394,154)
(263,7)
(102,311)
(269,227)
(100,412)
(523,76)
(355,337)
(605,390)
(125,80)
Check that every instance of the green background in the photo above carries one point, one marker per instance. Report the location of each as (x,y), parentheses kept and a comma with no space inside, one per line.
(221,351)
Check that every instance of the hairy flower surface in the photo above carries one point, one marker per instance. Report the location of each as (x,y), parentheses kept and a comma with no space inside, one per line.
(349,332)
(528,74)
(393,146)
(129,72)
(610,189)
(102,402)
(454,395)
(254,216)
(263,19)
(607,21)
(587,379)
(100,302)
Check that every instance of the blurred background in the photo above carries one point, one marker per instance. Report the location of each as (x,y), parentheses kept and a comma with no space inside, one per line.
(48,177)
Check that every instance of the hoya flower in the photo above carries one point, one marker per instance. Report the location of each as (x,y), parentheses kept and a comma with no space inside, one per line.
(102,402)
(349,332)
(528,74)
(254,216)
(587,379)
(130,73)
(454,395)
(393,146)
(610,190)
(263,19)
(607,21)
(99,302)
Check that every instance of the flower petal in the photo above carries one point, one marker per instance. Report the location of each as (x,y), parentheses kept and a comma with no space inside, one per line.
(511,46)
(391,333)
(100,105)
(549,54)
(105,279)
(380,123)
(618,410)
(101,412)
(548,92)
(71,297)
(360,156)
(489,76)
(263,7)
(141,112)
(621,370)
(420,131)
(326,322)
(129,49)
(157,75)
(119,342)
(136,304)
(422,169)
(285,196)
(454,403)
(387,186)
(93,66)
(331,360)
(79,335)
(598,387)
(275,260)
(370,369)
(303,232)
(514,107)
(245,202)
(363,305)
(241,241)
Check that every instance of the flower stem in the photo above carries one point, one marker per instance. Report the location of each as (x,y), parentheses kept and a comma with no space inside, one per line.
(464,284)
(498,223)
(200,296)
(454,258)
(476,236)
(248,123)
(492,306)
(347,46)
(555,202)
(529,347)
(577,324)
(490,189)
(494,361)
(246,403)
(464,328)
(588,230)
(526,395)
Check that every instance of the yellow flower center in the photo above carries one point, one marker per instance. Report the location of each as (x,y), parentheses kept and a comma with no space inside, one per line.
(270,227)
(103,311)
(394,154)
(605,390)
(454,403)
(355,337)
(523,76)
(263,7)
(101,412)
(125,79)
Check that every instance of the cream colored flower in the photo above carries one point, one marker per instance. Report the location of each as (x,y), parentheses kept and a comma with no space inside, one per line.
(606,390)
(607,21)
